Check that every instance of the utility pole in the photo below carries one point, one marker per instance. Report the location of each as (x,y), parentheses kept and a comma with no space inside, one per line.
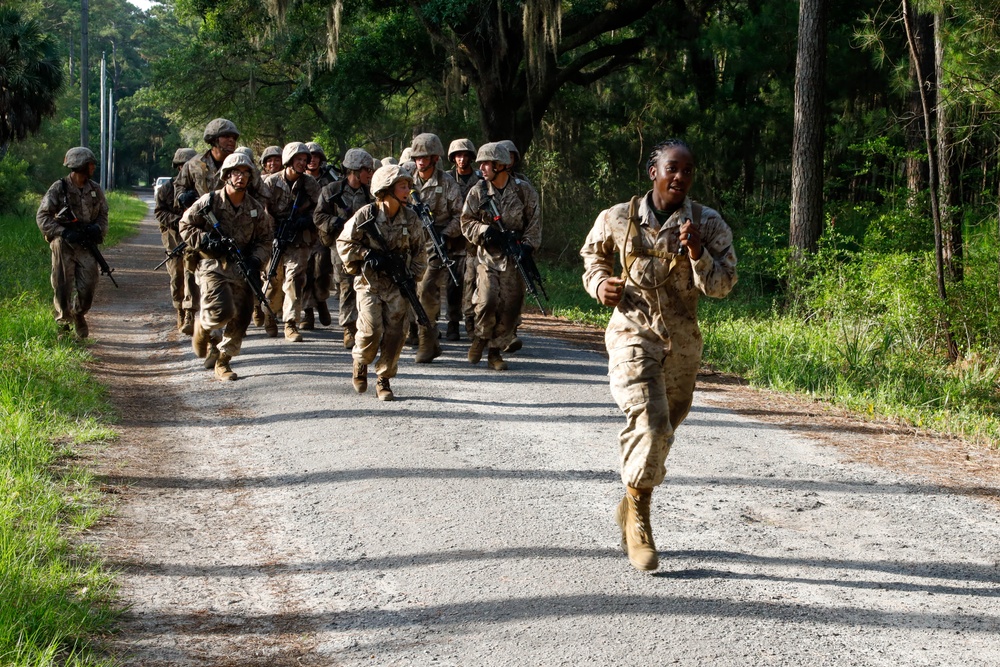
(84,74)
(104,122)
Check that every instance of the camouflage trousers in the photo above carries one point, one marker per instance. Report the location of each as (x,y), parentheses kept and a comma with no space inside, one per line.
(74,279)
(296,263)
(226,303)
(348,313)
(498,300)
(272,289)
(435,279)
(654,390)
(319,277)
(469,281)
(381,330)
(181,272)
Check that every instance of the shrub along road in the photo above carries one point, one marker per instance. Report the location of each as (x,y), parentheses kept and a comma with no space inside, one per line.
(284,520)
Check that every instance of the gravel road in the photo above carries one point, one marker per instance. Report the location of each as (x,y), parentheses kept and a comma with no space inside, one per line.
(285,520)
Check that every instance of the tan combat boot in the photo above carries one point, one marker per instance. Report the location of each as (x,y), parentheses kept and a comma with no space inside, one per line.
(180,319)
(82,330)
(495,361)
(189,316)
(429,347)
(515,345)
(308,320)
(199,340)
(258,314)
(412,337)
(222,369)
(323,313)
(632,516)
(270,325)
(383,391)
(292,332)
(360,377)
(213,352)
(350,331)
(476,350)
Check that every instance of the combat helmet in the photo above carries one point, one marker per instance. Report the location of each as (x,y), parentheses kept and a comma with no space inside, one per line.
(232,161)
(182,155)
(386,176)
(459,146)
(218,127)
(509,145)
(316,149)
(78,157)
(270,151)
(358,158)
(493,152)
(405,155)
(390,160)
(426,144)
(291,150)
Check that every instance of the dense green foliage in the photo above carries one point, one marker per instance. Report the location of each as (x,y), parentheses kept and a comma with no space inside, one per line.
(53,598)
(30,76)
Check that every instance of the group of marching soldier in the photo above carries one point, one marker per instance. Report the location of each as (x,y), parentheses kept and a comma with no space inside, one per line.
(274,241)
(388,237)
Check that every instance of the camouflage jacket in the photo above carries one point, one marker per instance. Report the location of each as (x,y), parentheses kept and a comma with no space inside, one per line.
(200,174)
(282,200)
(166,211)
(649,317)
(404,235)
(248,225)
(465,185)
(338,201)
(87,204)
(519,210)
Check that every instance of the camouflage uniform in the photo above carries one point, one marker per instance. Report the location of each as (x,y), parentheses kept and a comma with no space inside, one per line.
(382,309)
(200,174)
(465,184)
(338,202)
(653,341)
(296,256)
(181,269)
(74,270)
(226,299)
(499,293)
(444,199)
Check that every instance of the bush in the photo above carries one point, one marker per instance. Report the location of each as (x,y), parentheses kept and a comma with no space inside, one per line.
(13,184)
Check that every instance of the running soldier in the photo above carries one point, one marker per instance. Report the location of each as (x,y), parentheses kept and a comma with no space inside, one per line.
(180,269)
(337,203)
(522,182)
(499,294)
(270,160)
(320,270)
(226,298)
(462,153)
(72,215)
(673,251)
(439,191)
(318,167)
(294,194)
(373,240)
(199,175)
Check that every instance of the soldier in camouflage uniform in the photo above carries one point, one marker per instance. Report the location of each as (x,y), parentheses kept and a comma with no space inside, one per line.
(318,167)
(226,299)
(286,187)
(73,212)
(522,181)
(337,203)
(320,270)
(462,154)
(499,292)
(443,198)
(180,269)
(270,160)
(382,309)
(199,175)
(674,251)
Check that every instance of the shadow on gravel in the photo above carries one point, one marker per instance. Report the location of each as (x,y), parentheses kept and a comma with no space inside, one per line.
(560,607)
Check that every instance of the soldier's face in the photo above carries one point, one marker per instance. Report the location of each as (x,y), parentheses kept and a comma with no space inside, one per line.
(272,165)
(299,163)
(239,178)
(463,161)
(401,190)
(673,175)
(91,168)
(488,169)
(365,176)
(314,161)
(425,164)
(227,143)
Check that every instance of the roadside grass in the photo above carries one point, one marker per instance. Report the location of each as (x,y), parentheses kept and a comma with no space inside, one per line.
(54,598)
(858,359)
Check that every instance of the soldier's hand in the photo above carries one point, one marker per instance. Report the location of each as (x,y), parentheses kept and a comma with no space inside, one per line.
(187,198)
(610,291)
(73,234)
(691,239)
(492,237)
(376,260)
(211,246)
(93,232)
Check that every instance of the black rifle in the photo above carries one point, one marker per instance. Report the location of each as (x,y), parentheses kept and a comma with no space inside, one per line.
(176,252)
(437,242)
(67,215)
(397,270)
(284,235)
(512,247)
(235,255)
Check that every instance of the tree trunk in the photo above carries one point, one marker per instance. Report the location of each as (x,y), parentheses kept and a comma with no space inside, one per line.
(84,74)
(923,42)
(948,170)
(806,223)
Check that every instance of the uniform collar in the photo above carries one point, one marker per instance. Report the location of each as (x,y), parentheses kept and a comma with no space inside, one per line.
(648,219)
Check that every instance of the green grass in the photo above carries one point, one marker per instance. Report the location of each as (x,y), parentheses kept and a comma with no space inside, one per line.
(54,597)
(849,360)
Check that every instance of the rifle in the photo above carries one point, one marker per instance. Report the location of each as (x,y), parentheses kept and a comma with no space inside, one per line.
(235,255)
(424,213)
(68,215)
(176,252)
(512,247)
(398,271)
(284,235)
